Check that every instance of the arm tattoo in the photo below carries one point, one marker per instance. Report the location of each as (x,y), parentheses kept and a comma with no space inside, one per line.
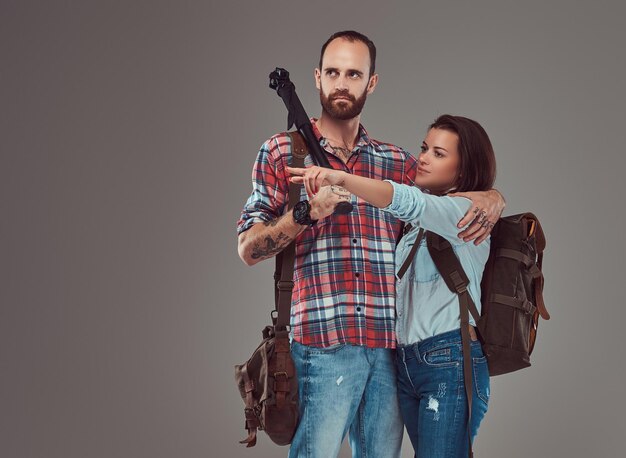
(270,246)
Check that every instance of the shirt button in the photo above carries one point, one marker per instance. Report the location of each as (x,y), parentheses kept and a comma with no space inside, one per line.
(353,240)
(356,275)
(358,309)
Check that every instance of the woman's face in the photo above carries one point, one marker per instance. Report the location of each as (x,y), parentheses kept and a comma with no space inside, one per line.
(438,162)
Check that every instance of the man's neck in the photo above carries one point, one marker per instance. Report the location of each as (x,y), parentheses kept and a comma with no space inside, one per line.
(338,132)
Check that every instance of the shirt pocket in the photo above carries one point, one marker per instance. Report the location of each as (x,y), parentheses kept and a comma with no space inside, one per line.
(423,269)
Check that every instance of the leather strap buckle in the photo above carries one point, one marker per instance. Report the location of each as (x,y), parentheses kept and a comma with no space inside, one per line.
(285,285)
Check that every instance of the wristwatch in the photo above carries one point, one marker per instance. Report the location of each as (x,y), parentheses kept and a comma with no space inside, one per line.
(302,213)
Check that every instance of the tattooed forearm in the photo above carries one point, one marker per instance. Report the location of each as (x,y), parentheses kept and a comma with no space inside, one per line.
(270,246)
(268,238)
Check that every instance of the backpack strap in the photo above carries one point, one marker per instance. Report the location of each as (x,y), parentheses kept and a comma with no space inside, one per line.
(409,258)
(450,268)
(457,281)
(281,369)
(283,275)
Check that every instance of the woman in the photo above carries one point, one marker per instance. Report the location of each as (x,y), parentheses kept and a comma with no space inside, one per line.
(456,156)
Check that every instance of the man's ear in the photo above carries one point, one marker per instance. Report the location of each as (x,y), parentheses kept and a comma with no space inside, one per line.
(317,75)
(371,85)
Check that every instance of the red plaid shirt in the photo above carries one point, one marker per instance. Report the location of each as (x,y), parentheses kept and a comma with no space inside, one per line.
(344,268)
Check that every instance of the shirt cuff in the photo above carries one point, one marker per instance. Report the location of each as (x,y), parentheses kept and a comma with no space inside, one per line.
(395,199)
(248,222)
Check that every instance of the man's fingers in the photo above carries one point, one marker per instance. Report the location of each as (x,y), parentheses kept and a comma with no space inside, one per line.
(307,186)
(316,185)
(483,237)
(478,231)
(469,233)
(310,189)
(494,215)
(470,216)
(319,182)
(296,171)
(475,234)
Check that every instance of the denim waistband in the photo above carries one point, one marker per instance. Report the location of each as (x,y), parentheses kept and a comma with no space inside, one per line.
(419,348)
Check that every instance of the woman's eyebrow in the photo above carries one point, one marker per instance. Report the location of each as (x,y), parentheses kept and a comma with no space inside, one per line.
(435,147)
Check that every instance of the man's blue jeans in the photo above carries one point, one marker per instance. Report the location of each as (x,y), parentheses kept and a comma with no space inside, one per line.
(432,394)
(346,388)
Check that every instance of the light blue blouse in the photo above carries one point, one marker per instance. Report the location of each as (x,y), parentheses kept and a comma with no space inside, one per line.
(425,307)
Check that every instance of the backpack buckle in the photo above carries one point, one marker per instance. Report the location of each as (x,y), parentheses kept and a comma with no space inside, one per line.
(285,285)
(529,307)
(460,285)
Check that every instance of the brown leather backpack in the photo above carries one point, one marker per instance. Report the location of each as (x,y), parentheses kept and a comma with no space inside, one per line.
(267,382)
(268,385)
(512,290)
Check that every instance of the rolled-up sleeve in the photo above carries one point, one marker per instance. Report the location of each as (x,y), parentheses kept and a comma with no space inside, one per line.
(269,190)
(439,214)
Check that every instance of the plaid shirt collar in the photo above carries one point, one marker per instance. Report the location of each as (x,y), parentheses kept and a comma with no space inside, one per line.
(363,141)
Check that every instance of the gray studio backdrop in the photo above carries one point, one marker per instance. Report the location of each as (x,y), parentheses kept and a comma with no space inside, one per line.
(128,133)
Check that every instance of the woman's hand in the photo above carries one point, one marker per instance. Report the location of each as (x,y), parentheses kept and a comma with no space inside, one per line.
(315,177)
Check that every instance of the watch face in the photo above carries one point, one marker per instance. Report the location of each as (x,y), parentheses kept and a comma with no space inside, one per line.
(301,212)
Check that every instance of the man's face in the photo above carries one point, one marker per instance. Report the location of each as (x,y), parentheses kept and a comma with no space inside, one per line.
(343,81)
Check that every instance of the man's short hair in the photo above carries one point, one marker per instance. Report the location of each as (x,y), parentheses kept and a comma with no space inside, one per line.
(353,36)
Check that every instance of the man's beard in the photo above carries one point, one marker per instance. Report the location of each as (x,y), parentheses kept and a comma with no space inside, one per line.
(345,109)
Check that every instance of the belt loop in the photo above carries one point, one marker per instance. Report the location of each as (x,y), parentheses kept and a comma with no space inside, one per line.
(416,350)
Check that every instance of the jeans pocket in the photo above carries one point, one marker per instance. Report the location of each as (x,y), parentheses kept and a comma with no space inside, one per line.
(439,357)
(326,350)
(481,378)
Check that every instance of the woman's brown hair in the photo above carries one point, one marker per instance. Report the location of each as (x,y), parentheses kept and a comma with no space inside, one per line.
(477,164)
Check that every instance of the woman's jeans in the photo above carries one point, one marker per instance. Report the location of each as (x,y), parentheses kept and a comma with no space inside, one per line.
(346,389)
(432,395)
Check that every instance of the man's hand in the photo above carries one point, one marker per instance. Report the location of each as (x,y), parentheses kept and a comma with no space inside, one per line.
(324,202)
(315,177)
(487,206)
